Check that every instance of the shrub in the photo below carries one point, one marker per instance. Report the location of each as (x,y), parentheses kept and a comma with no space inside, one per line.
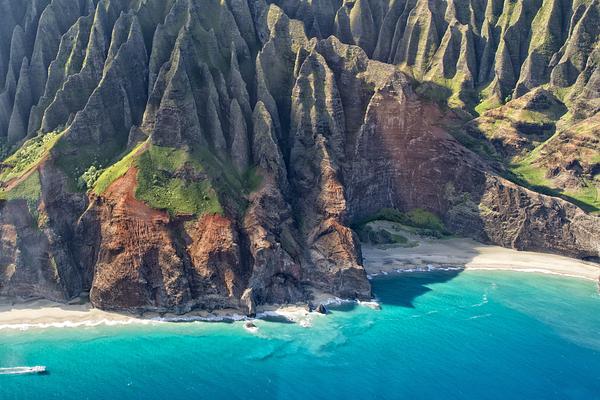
(428,223)
(426,220)
(89,177)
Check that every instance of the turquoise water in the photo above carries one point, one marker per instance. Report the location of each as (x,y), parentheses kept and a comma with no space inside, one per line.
(474,335)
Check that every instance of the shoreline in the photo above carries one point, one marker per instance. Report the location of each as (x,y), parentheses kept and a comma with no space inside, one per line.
(428,255)
(469,255)
(45,314)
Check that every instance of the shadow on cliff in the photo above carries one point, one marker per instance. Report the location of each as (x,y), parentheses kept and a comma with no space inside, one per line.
(408,286)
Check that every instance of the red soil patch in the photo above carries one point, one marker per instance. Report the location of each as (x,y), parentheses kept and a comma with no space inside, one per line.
(122,193)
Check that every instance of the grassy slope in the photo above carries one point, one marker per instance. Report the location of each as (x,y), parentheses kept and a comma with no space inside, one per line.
(159,185)
(159,188)
(162,187)
(21,169)
(28,156)
(530,175)
(29,190)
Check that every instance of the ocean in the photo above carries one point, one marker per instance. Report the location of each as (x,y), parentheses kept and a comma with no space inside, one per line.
(441,335)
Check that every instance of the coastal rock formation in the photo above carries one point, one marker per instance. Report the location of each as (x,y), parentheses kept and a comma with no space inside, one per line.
(186,154)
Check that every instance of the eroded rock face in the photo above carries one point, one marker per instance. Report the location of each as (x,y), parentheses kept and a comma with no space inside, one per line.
(503,47)
(146,260)
(137,264)
(518,218)
(237,142)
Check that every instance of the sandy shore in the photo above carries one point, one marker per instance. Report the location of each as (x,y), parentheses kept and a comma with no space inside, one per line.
(425,254)
(41,314)
(46,314)
(469,254)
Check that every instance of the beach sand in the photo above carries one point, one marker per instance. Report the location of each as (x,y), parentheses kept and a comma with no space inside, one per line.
(47,314)
(41,314)
(468,254)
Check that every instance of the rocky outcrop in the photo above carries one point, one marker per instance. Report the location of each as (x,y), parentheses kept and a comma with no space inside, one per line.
(36,240)
(516,128)
(570,158)
(518,218)
(214,154)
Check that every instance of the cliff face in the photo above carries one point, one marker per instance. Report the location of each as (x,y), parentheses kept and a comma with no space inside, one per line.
(498,48)
(172,155)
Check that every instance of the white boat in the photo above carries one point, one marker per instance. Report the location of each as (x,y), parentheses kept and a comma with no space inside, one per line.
(38,369)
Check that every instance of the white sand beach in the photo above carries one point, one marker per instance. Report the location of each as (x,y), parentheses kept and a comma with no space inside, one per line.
(47,314)
(40,314)
(469,254)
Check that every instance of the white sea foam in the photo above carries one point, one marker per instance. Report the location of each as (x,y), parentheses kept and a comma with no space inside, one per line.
(305,323)
(480,316)
(77,324)
(197,318)
(370,304)
(484,301)
(250,327)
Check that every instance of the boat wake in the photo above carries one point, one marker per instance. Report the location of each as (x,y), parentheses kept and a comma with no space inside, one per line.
(23,370)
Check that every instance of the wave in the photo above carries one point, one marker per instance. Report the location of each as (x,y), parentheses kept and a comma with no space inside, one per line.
(533,270)
(293,314)
(480,316)
(424,314)
(250,327)
(374,305)
(427,268)
(197,318)
(484,301)
(77,324)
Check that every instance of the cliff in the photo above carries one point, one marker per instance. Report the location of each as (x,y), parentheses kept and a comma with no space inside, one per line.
(183,154)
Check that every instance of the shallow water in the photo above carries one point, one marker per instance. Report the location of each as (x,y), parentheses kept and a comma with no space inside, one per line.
(444,335)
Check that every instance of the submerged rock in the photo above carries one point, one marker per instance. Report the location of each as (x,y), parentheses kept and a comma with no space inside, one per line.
(321,309)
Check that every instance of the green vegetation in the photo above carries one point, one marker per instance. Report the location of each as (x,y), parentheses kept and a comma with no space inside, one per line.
(449,93)
(4,148)
(526,173)
(29,190)
(420,218)
(367,234)
(114,172)
(181,181)
(480,146)
(231,186)
(160,188)
(20,170)
(252,179)
(76,159)
(544,39)
(89,177)
(489,103)
(424,222)
(28,156)
(435,93)
(562,93)
(588,195)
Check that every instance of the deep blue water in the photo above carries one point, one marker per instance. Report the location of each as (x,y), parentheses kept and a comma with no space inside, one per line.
(475,335)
